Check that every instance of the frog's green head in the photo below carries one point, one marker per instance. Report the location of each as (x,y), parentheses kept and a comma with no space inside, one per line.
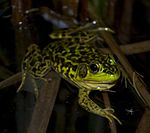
(100,73)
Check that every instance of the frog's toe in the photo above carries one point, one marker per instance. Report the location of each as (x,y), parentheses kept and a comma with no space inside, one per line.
(110,116)
(109,110)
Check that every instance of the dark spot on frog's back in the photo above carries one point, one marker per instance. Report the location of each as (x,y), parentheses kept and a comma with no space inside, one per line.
(83,52)
(82,59)
(111,69)
(114,69)
(67,64)
(73,57)
(59,49)
(74,68)
(32,63)
(62,60)
(63,53)
(39,58)
(48,58)
(71,75)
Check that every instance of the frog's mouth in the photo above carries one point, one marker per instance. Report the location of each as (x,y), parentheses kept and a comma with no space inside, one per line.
(97,85)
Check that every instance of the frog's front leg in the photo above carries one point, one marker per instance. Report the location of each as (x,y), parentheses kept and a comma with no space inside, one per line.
(92,107)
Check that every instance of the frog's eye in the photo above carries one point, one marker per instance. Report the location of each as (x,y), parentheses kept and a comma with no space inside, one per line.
(94,68)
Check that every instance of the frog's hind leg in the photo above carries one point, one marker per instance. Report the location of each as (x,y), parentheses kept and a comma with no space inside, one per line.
(92,107)
(30,63)
(22,81)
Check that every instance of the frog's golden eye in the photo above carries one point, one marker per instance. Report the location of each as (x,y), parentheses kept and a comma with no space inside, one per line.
(94,68)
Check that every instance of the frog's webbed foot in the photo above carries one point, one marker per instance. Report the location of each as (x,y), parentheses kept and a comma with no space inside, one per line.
(92,107)
(107,112)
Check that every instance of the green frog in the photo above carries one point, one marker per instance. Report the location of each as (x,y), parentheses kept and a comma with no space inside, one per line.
(73,56)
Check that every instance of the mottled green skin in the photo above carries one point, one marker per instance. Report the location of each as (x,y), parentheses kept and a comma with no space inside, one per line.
(72,60)
(75,59)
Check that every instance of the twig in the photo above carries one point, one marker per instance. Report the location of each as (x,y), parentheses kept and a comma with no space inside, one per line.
(23,37)
(133,48)
(5,73)
(107,104)
(126,19)
(44,105)
(111,12)
(144,124)
(136,48)
(51,16)
(11,80)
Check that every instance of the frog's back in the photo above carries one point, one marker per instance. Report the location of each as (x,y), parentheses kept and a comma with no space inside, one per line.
(66,55)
